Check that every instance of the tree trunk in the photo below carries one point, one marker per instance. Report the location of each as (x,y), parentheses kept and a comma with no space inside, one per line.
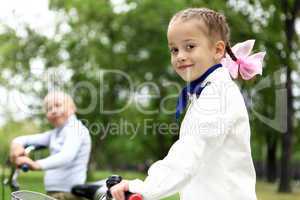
(271,159)
(287,137)
(285,175)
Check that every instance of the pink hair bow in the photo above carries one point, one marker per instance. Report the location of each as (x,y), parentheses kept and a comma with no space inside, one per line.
(248,65)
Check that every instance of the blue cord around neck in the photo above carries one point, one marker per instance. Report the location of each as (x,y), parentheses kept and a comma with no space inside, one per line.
(194,87)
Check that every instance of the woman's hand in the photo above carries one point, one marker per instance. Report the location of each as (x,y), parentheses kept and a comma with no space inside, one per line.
(118,190)
(25,160)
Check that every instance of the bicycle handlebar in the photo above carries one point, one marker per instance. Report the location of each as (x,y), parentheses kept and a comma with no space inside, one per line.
(134,197)
(115,179)
(25,168)
(28,149)
(34,147)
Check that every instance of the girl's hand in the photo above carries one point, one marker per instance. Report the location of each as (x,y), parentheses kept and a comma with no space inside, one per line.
(16,150)
(118,190)
(25,160)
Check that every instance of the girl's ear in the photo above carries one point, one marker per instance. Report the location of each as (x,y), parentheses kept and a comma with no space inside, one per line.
(220,50)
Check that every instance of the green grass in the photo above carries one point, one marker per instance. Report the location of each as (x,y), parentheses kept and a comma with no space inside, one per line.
(33,181)
(266,191)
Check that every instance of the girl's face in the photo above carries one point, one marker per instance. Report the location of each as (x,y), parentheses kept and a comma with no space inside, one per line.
(58,111)
(192,53)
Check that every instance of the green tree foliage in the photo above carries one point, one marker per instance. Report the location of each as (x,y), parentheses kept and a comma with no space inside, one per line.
(11,130)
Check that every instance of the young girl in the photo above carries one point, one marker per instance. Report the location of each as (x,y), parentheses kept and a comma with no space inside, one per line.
(211,160)
(69,144)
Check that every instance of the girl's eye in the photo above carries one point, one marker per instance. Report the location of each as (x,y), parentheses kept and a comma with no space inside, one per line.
(190,46)
(48,109)
(173,50)
(57,105)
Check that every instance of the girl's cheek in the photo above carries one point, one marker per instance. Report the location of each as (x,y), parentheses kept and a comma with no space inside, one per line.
(61,111)
(173,61)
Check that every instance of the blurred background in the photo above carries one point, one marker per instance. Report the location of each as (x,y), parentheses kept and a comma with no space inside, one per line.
(112,57)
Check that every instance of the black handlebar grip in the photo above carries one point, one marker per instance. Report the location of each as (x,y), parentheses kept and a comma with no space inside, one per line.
(25,167)
(115,179)
(111,181)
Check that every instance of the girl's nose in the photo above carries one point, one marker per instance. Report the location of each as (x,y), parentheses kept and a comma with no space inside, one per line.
(181,57)
(52,112)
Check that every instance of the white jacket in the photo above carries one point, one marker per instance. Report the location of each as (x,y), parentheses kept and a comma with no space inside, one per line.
(211,160)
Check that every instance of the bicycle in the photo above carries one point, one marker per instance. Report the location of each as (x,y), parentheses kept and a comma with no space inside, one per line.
(93,191)
(12,181)
(97,194)
(29,195)
(100,191)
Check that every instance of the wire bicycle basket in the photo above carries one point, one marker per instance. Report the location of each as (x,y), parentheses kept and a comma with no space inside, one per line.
(29,195)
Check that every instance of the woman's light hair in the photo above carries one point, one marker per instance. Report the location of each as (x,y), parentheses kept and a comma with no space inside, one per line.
(60,96)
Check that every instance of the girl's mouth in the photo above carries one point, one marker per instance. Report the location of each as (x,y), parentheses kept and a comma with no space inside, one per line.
(182,67)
